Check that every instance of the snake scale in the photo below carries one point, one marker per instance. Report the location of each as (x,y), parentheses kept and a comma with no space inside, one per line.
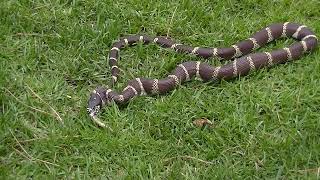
(242,63)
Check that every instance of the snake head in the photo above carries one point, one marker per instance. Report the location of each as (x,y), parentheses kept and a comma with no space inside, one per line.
(96,101)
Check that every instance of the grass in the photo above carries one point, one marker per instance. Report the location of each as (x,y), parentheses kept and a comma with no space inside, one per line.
(53,53)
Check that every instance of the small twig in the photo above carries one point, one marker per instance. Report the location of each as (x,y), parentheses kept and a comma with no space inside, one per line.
(169,26)
(30,158)
(35,34)
(36,109)
(45,5)
(189,157)
(27,155)
(28,34)
(54,111)
(310,170)
(41,138)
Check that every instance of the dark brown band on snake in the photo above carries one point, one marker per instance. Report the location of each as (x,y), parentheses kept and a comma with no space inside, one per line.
(242,64)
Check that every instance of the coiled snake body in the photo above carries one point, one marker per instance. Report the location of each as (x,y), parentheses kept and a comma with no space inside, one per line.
(243,62)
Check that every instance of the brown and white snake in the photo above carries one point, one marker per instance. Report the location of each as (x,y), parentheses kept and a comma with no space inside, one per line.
(242,64)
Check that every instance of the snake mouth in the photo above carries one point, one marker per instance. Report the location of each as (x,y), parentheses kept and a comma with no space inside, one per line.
(93,114)
(97,121)
(95,103)
(93,111)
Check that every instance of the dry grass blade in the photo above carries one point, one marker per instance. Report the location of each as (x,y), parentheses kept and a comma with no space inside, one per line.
(27,155)
(169,26)
(24,104)
(53,110)
(188,158)
(37,34)
(45,138)
(313,170)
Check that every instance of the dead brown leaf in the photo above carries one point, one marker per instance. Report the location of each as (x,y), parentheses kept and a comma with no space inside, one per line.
(202,122)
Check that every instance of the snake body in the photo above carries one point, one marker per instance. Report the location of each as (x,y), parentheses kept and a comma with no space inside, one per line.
(242,63)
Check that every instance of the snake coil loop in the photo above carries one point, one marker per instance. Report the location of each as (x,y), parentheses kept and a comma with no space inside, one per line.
(242,64)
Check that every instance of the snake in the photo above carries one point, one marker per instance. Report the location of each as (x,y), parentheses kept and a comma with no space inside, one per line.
(243,61)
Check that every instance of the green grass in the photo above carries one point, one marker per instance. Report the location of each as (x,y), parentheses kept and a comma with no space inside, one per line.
(266,125)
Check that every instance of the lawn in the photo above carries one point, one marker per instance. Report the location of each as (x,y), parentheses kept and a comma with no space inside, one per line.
(53,53)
